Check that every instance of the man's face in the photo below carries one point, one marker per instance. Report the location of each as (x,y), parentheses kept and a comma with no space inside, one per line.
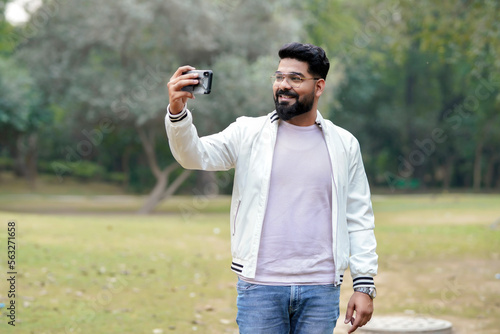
(293,101)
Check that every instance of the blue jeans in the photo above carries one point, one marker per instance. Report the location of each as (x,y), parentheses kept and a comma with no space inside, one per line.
(297,309)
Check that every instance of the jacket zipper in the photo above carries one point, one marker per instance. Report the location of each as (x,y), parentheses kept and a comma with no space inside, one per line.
(335,257)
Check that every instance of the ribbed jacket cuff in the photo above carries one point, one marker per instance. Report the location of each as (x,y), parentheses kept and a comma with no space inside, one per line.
(363,281)
(179,117)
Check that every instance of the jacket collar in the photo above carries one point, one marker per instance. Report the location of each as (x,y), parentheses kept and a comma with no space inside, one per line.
(319,118)
(274,116)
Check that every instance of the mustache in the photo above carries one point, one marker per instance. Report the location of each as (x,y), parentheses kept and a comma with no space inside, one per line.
(286,93)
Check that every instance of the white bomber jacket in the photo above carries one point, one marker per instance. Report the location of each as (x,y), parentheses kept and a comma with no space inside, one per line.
(248,145)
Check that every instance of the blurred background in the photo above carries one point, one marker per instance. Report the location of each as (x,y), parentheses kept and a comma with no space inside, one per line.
(83,148)
(83,85)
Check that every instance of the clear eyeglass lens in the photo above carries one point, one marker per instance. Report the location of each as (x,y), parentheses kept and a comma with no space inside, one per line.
(293,79)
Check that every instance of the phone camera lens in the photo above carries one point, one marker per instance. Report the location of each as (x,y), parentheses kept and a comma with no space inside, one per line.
(205,74)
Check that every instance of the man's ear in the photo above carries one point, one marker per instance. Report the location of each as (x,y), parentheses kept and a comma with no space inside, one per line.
(320,87)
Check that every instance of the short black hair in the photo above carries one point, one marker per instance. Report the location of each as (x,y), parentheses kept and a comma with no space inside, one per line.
(313,55)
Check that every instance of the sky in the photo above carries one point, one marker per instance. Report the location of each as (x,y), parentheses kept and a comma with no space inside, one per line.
(17,11)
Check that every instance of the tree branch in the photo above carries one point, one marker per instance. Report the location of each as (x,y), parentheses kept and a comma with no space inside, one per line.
(149,148)
(176,184)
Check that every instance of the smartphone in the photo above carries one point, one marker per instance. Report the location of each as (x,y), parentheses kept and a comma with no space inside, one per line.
(204,85)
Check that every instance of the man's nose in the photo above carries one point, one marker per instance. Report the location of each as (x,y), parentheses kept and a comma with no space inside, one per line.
(285,84)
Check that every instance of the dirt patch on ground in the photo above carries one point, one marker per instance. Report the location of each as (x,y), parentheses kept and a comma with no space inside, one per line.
(460,326)
(465,292)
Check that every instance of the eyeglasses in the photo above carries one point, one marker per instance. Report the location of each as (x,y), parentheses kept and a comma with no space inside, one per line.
(293,79)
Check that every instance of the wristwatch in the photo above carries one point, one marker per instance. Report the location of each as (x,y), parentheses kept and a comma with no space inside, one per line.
(372,291)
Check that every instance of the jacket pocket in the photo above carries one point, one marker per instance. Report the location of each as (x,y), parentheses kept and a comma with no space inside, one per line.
(233,223)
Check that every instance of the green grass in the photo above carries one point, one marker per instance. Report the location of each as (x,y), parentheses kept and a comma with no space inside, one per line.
(99,271)
(122,274)
(439,255)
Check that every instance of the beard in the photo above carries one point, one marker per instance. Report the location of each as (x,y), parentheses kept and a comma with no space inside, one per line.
(287,111)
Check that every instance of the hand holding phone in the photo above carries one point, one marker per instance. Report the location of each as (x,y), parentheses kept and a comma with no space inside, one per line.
(187,76)
(204,85)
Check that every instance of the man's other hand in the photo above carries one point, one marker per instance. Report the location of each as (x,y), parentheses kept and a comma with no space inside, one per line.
(362,304)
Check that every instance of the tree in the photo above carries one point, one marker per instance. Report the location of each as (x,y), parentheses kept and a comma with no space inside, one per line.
(412,72)
(21,108)
(107,65)
(21,114)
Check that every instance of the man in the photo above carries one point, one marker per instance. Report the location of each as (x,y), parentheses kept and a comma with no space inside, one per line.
(300,211)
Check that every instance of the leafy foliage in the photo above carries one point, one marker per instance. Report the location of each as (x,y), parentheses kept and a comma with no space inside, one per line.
(109,62)
(420,86)
(415,81)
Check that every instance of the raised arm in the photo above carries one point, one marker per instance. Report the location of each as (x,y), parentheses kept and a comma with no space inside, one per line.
(214,152)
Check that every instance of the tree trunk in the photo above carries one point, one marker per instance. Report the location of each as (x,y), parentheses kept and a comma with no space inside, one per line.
(31,160)
(126,167)
(156,194)
(448,172)
(490,172)
(162,189)
(409,96)
(477,174)
(26,158)
(159,192)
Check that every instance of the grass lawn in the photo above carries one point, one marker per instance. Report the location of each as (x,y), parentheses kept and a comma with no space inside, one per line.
(439,256)
(99,271)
